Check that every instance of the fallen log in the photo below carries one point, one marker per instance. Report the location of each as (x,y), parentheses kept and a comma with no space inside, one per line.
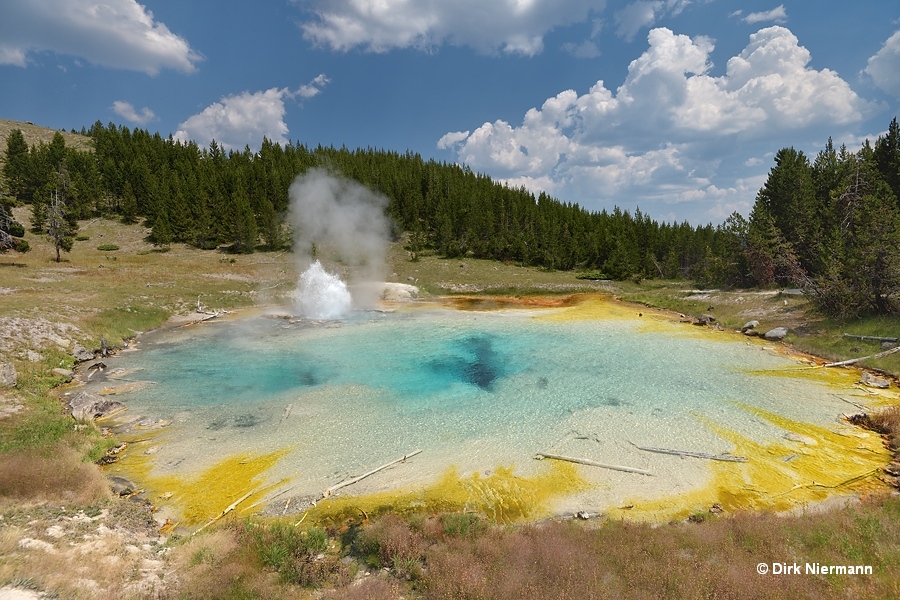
(591,463)
(683,453)
(872,338)
(856,360)
(343,484)
(230,508)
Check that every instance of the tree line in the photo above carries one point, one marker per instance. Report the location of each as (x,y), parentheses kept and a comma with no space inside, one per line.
(830,225)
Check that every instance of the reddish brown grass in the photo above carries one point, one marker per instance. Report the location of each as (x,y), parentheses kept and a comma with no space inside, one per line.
(716,559)
(887,422)
(60,476)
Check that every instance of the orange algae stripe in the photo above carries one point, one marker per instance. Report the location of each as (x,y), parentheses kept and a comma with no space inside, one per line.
(598,306)
(816,464)
(484,303)
(501,496)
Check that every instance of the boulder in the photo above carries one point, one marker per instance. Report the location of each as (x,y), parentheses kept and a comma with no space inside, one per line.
(776,334)
(67,373)
(81,353)
(875,381)
(8,375)
(705,319)
(86,406)
(749,326)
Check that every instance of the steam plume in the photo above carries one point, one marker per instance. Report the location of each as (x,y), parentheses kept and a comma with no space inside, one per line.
(342,217)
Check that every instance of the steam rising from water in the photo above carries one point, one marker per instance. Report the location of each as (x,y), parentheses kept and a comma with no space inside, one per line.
(342,218)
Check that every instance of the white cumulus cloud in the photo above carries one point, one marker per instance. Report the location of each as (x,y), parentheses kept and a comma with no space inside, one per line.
(314,87)
(776,15)
(113,33)
(884,66)
(660,136)
(488,26)
(127,111)
(239,120)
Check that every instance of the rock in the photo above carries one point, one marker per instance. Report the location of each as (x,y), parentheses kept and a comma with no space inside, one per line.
(751,333)
(86,406)
(749,325)
(704,319)
(81,353)
(888,345)
(399,292)
(776,334)
(875,381)
(67,373)
(8,375)
(121,486)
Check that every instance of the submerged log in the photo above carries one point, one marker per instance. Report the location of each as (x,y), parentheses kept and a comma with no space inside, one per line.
(591,463)
(343,484)
(230,508)
(706,455)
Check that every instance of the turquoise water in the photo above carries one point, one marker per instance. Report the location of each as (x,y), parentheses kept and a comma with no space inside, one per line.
(471,389)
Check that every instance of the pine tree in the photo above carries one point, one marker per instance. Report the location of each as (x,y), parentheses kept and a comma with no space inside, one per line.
(15,169)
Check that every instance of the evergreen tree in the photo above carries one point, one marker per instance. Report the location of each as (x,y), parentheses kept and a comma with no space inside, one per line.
(11,231)
(15,169)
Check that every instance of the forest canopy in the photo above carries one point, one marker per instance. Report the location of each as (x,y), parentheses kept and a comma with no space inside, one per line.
(830,225)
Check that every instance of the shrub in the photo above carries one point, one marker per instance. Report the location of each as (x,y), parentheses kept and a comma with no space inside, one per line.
(462,524)
(297,556)
(81,238)
(107,247)
(887,422)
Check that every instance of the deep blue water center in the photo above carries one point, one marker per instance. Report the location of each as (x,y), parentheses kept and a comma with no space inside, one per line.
(266,358)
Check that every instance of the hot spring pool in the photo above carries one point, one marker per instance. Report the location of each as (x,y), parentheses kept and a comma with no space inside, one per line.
(480,392)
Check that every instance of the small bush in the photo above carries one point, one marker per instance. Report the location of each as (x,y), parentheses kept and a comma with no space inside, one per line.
(297,556)
(391,542)
(462,524)
(887,422)
(81,238)
(107,247)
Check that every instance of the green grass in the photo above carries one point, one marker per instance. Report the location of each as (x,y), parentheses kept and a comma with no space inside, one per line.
(827,340)
(120,323)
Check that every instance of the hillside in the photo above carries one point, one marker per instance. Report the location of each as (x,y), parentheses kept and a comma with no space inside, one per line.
(35,134)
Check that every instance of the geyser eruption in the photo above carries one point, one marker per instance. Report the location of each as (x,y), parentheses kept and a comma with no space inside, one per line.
(322,295)
(343,220)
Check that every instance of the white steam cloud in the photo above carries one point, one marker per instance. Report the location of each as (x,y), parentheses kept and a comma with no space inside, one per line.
(342,218)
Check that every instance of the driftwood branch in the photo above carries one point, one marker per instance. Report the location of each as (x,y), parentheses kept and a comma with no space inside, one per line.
(856,360)
(683,453)
(872,338)
(591,463)
(230,508)
(343,484)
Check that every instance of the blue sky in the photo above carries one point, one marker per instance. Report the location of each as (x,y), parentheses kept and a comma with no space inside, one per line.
(675,106)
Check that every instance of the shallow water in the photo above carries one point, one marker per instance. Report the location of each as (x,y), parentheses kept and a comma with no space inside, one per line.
(474,390)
